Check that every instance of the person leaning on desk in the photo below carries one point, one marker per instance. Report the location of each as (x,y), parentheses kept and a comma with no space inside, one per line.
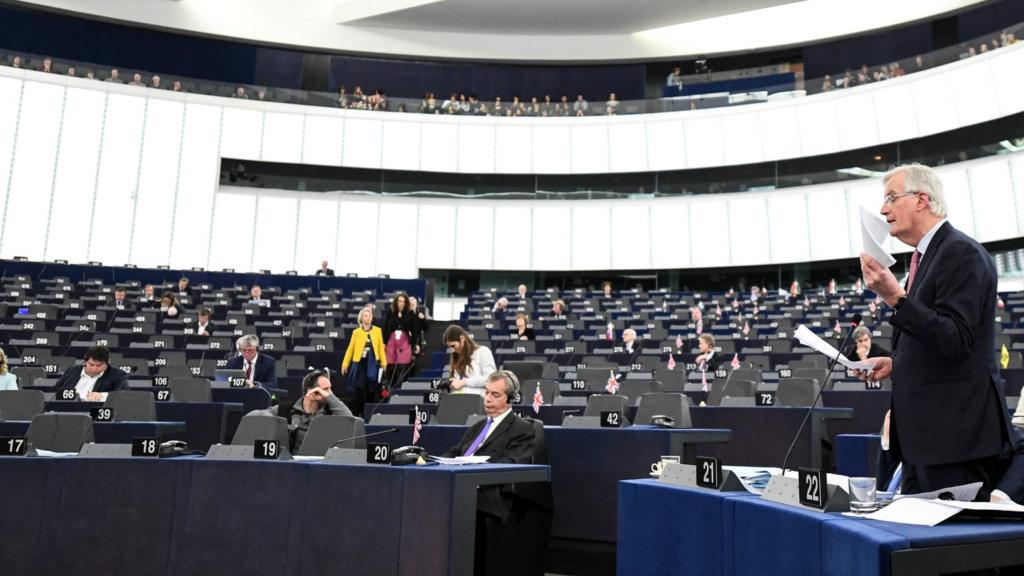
(96,378)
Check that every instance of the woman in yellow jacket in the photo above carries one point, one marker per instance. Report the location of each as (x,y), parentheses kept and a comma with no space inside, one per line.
(366,351)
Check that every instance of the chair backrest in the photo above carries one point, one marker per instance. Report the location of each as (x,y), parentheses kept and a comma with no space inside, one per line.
(176,371)
(759,362)
(525,370)
(190,389)
(598,403)
(324,431)
(548,390)
(800,364)
(738,401)
(455,408)
(28,374)
(60,431)
(732,387)
(671,380)
(537,493)
(21,404)
(796,392)
(670,404)
(816,373)
(255,427)
(751,374)
(633,389)
(596,378)
(132,405)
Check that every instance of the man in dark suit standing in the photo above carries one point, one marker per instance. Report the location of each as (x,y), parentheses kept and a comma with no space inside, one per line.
(259,368)
(506,527)
(96,378)
(949,424)
(324,270)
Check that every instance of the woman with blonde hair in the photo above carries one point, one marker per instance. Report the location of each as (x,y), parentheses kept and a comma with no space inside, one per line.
(8,381)
(471,363)
(365,356)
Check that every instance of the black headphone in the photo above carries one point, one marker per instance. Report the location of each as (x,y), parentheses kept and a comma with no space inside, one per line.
(510,391)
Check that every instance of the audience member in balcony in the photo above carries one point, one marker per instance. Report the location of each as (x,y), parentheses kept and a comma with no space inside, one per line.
(16,62)
(611,107)
(476,108)
(136,80)
(71,71)
(240,93)
(358,99)
(499,108)
(533,108)
(169,305)
(471,364)
(580,106)
(90,75)
(323,270)
(848,79)
(364,361)
(261,95)
(630,343)
(523,332)
(8,381)
(862,347)
(402,339)
(401,109)
(94,379)
(429,105)
(177,87)
(895,70)
(378,101)
(260,369)
(707,360)
(971,51)
(256,296)
(863,78)
(154,82)
(451,105)
(516,108)
(342,99)
(499,309)
(184,288)
(203,325)
(675,78)
(563,107)
(826,84)
(548,107)
(115,76)
(47,66)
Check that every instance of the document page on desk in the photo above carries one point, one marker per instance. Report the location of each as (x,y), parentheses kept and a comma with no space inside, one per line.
(460,460)
(932,512)
(873,233)
(813,341)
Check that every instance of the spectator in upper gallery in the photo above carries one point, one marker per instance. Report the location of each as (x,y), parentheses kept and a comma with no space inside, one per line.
(533,108)
(611,107)
(16,62)
(971,51)
(918,63)
(169,305)
(379,100)
(451,105)
(154,82)
(606,289)
(580,106)
(323,270)
(1011,39)
(523,332)
(72,71)
(499,108)
(203,325)
(8,381)
(826,84)
(895,70)
(563,107)
(630,344)
(261,94)
(516,108)
(847,80)
(177,87)
(476,108)
(521,290)
(184,289)
(863,78)
(358,98)
(256,296)
(558,309)
(548,107)
(115,76)
(429,104)
(240,93)
(136,80)
(90,75)
(675,78)
(983,48)
(342,99)
(47,65)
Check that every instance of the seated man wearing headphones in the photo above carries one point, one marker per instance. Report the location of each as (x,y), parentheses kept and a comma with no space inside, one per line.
(317,400)
(502,535)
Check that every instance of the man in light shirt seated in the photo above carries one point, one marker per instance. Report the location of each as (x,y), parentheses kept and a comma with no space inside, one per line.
(94,380)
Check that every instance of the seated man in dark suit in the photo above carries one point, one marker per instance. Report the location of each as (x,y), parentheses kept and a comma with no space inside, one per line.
(203,325)
(324,270)
(95,378)
(507,531)
(259,368)
(630,344)
(862,347)
(121,301)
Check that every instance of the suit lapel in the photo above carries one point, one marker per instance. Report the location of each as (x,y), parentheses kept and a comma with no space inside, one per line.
(506,423)
(930,256)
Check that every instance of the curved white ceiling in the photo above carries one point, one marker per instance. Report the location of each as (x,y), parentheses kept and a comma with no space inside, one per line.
(521,30)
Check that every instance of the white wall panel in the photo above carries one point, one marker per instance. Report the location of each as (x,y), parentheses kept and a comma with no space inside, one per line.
(552,150)
(476,148)
(10,97)
(440,147)
(158,182)
(1017,173)
(974,93)
(323,139)
(895,115)
(474,237)
(748,230)
(233,230)
(741,134)
(435,247)
(513,236)
(787,214)
(396,255)
(670,233)
(828,224)
(591,237)
(818,131)
(274,241)
(357,237)
(317,236)
(934,104)
(855,119)
(780,132)
(552,227)
(198,174)
(958,199)
(401,146)
(74,186)
(589,149)
(1009,82)
(513,149)
(709,233)
(995,212)
(241,133)
(704,146)
(362,143)
(282,137)
(35,156)
(114,209)
(627,147)
(666,146)
(631,235)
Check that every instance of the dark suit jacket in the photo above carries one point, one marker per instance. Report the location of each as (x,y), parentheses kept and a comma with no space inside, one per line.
(112,379)
(321,272)
(512,442)
(210,329)
(264,371)
(947,403)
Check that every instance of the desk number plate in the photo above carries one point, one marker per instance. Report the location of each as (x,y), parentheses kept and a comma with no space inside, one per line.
(13,446)
(812,487)
(145,447)
(378,453)
(265,450)
(709,472)
(611,419)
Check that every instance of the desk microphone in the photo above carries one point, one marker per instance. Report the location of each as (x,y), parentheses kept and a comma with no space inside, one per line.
(360,437)
(853,324)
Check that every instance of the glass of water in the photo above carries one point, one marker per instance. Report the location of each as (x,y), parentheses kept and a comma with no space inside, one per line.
(862,495)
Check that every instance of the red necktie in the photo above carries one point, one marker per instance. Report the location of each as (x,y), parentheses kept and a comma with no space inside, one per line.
(248,370)
(914,261)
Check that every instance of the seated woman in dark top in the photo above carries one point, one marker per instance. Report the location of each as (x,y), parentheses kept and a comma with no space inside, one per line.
(522,331)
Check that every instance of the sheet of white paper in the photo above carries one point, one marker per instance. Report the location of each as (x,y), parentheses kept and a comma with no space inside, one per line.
(753,478)
(461,460)
(299,458)
(813,341)
(963,493)
(915,511)
(874,231)
(830,478)
(51,454)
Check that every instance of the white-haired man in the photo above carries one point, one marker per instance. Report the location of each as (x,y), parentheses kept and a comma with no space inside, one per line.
(259,368)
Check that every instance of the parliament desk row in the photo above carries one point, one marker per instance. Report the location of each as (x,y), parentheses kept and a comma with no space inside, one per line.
(196,517)
(665,529)
(586,466)
(112,432)
(760,435)
(205,423)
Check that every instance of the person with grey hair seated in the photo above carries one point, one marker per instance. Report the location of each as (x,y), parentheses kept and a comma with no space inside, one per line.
(259,368)
(862,347)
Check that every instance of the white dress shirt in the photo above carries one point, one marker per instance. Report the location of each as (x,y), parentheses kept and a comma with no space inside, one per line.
(86,383)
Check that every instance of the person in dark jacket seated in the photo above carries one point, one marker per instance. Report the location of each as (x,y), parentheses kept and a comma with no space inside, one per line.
(862,347)
(259,368)
(708,359)
(523,332)
(630,344)
(317,400)
(96,378)
(509,540)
